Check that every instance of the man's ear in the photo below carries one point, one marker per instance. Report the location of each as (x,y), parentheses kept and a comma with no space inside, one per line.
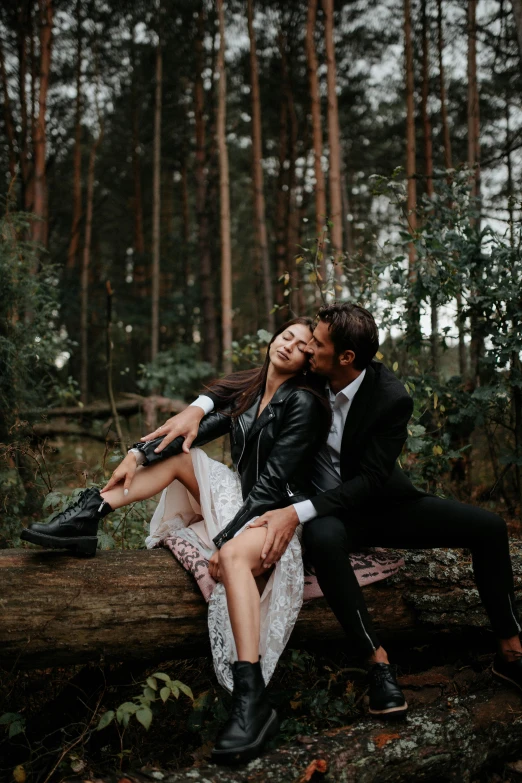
(346,358)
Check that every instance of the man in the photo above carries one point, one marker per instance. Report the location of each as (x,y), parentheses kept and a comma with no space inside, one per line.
(364,499)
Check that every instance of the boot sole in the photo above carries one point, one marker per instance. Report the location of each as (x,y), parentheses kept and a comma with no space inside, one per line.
(248,752)
(82,545)
(505,679)
(392,713)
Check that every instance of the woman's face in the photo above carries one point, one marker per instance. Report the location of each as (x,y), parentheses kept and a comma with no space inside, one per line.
(287,351)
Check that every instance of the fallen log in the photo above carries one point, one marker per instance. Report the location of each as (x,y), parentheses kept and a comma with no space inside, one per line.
(55,609)
(455,738)
(97,410)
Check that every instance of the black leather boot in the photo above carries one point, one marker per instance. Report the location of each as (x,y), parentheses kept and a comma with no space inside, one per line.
(75,528)
(253,721)
(386,698)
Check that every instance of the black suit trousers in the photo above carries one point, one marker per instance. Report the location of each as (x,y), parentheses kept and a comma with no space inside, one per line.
(421,523)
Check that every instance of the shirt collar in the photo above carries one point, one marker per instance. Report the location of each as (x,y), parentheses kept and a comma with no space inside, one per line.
(350,390)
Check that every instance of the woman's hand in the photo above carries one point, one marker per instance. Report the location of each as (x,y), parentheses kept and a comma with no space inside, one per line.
(185,423)
(124,472)
(213,567)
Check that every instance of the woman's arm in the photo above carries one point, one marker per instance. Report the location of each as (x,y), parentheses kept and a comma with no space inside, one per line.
(296,445)
(212,426)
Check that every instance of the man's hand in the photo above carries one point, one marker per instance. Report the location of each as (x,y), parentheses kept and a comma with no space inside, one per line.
(185,423)
(124,472)
(213,567)
(281,526)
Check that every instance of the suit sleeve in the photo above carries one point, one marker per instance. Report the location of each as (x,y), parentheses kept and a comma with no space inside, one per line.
(376,463)
(296,445)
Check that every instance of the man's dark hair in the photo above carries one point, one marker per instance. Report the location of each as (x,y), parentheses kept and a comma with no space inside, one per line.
(352,328)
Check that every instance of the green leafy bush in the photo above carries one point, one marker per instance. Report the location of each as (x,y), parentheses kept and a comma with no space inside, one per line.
(176,373)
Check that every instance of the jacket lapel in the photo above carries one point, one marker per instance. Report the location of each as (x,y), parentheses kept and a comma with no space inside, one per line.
(357,412)
(268,413)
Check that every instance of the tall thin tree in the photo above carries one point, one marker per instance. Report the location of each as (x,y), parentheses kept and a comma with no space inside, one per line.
(477,342)
(411,205)
(210,337)
(257,172)
(77,153)
(156,192)
(428,168)
(334,144)
(224,192)
(317,131)
(39,228)
(448,163)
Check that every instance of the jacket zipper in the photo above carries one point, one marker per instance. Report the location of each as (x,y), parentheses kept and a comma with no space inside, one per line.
(257,466)
(244,444)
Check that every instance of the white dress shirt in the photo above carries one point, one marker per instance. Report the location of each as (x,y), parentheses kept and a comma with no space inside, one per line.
(327,472)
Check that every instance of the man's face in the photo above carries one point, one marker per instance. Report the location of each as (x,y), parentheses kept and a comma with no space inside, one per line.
(323,359)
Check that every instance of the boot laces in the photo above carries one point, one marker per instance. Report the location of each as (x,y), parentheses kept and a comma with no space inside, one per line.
(73,508)
(384,675)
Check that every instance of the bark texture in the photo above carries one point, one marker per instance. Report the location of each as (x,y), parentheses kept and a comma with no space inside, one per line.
(77,154)
(209,332)
(224,200)
(40,138)
(334,143)
(56,609)
(317,131)
(156,201)
(257,177)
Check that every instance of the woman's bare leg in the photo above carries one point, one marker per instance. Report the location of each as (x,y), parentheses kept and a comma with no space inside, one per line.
(240,563)
(150,480)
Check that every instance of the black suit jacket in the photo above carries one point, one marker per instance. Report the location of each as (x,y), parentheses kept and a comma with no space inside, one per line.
(374,434)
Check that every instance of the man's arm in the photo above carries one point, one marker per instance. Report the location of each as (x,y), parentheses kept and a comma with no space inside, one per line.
(184,424)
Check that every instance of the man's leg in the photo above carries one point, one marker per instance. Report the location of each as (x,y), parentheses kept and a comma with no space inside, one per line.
(434,522)
(328,544)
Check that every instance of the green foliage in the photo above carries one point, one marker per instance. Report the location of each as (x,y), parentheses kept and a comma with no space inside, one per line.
(250,351)
(30,340)
(176,373)
(141,706)
(14,723)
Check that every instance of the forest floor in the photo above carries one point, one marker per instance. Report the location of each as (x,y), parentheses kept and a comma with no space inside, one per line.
(315,690)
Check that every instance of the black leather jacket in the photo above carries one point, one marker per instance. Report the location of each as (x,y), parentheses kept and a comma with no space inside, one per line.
(273,453)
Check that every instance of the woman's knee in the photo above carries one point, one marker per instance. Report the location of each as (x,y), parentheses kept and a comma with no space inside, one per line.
(231,555)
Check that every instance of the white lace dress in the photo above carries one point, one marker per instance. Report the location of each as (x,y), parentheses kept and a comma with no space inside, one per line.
(178,515)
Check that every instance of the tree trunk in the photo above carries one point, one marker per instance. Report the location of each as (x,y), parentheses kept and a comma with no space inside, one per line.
(77,154)
(517,13)
(139,240)
(224,200)
(413,305)
(119,612)
(8,116)
(281,208)
(334,173)
(40,227)
(317,133)
(22,71)
(209,333)
(428,171)
(448,162)
(156,199)
(86,262)
(477,342)
(257,168)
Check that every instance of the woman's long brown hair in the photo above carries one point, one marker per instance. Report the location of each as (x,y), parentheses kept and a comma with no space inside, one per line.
(239,390)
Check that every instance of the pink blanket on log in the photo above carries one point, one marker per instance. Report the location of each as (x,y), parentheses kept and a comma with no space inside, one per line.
(371,566)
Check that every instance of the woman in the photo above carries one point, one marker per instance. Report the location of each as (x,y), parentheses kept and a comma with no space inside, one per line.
(277,418)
